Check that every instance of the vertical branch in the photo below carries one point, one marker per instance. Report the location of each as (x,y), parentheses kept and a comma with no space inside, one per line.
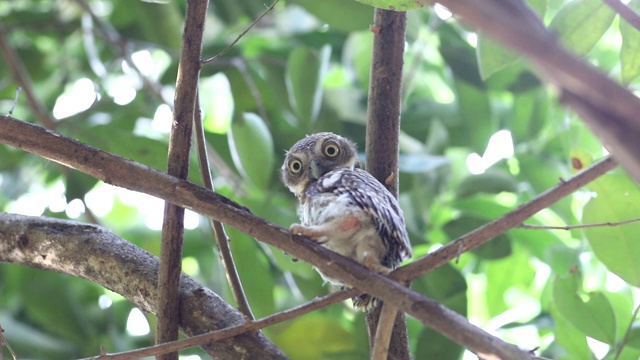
(383,130)
(385,90)
(178,165)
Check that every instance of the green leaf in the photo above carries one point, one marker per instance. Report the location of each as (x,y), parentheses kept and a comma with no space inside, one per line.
(218,103)
(630,50)
(492,182)
(633,339)
(340,15)
(254,270)
(593,316)
(570,338)
(618,199)
(326,335)
(396,5)
(459,55)
(497,248)
(430,344)
(251,148)
(357,51)
(446,285)
(492,56)
(305,71)
(160,22)
(61,314)
(581,23)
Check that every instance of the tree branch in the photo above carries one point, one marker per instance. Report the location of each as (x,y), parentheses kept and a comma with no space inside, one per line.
(178,165)
(93,253)
(625,12)
(382,147)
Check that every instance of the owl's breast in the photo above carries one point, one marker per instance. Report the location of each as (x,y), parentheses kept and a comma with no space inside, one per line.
(325,207)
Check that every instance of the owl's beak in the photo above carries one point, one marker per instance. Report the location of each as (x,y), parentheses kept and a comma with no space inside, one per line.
(316,170)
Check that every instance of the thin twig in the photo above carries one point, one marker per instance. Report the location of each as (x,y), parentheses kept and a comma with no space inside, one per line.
(218,335)
(220,235)
(581,226)
(240,64)
(21,75)
(4,342)
(625,12)
(15,101)
(225,50)
(627,333)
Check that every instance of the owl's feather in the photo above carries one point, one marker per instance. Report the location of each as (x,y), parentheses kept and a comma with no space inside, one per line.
(362,190)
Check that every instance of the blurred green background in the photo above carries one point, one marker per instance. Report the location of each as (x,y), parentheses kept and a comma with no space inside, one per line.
(480,136)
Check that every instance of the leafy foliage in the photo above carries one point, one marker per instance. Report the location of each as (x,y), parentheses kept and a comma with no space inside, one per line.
(303,69)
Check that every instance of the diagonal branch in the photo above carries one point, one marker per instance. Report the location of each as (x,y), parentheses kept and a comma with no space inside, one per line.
(625,12)
(22,77)
(134,176)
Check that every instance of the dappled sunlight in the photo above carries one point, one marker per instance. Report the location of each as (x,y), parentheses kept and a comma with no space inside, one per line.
(76,98)
(500,147)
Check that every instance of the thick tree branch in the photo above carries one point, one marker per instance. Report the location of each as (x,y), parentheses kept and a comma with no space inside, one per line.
(382,148)
(93,253)
(613,117)
(178,165)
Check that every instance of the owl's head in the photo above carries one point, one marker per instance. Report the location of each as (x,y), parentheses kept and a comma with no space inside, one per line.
(314,156)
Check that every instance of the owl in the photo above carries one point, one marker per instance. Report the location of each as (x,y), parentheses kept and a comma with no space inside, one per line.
(343,207)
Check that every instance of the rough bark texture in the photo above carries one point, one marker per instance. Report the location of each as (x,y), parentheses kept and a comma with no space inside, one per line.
(383,133)
(178,165)
(95,254)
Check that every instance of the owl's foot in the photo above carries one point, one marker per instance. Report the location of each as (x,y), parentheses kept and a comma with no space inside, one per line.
(371,262)
(323,233)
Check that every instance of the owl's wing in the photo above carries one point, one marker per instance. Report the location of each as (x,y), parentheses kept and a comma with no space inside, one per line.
(371,196)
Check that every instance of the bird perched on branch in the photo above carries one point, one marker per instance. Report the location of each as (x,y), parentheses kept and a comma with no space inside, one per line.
(343,207)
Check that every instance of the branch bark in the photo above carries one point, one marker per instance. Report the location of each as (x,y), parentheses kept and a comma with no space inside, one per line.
(178,165)
(382,149)
(95,254)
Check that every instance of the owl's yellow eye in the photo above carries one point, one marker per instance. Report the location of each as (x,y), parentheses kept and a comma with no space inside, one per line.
(295,166)
(331,149)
